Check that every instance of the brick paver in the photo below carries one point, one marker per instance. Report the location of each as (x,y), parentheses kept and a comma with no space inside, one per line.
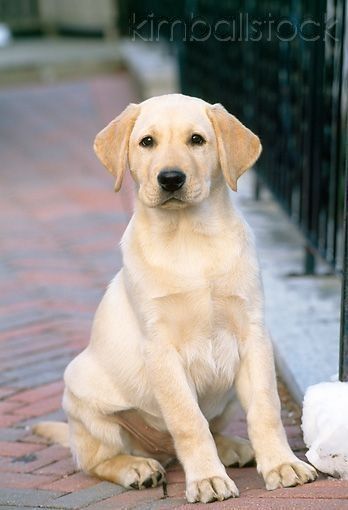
(60,224)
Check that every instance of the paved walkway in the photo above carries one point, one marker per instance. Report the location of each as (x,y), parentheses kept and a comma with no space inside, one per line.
(60,224)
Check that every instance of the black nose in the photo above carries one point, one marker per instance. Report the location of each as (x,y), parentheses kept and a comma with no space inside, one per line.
(171,179)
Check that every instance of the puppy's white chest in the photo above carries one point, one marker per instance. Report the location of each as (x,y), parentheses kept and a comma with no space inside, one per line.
(200,260)
(211,364)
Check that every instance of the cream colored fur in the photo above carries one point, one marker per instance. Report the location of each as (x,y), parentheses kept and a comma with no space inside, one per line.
(182,323)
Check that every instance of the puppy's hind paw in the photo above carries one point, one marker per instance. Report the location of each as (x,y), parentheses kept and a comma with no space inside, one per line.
(234,451)
(144,473)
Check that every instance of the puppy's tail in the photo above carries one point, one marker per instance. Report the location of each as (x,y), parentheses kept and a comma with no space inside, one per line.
(53,431)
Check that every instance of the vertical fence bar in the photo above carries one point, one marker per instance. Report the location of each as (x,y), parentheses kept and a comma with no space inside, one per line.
(309,261)
(343,359)
(257,187)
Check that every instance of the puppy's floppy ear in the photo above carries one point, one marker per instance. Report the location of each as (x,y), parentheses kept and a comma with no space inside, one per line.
(238,147)
(111,144)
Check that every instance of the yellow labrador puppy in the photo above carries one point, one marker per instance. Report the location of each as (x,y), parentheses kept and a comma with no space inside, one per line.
(183,321)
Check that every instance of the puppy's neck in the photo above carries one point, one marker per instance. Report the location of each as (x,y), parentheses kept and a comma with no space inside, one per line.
(206,218)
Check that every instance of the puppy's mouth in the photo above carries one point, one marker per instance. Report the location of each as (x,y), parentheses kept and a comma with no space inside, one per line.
(173,203)
(171,200)
(178,199)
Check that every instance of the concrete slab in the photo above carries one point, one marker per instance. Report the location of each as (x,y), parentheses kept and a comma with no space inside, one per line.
(153,68)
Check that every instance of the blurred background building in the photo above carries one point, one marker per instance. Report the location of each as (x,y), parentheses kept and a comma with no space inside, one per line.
(282,68)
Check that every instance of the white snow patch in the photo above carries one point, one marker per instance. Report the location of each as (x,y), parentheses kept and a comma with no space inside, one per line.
(325,427)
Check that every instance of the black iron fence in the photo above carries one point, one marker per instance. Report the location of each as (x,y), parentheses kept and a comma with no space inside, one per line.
(22,16)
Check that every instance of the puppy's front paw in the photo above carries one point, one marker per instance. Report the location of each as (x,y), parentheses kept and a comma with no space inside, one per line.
(216,488)
(289,475)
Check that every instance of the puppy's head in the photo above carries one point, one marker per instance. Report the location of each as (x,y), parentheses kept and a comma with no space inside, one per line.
(177,148)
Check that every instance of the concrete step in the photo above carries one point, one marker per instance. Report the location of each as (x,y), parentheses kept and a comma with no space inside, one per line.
(47,59)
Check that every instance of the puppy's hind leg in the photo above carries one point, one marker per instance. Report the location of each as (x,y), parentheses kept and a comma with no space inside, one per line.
(108,462)
(234,450)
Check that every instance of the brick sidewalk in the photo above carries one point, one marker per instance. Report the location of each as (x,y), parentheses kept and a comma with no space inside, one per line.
(61,223)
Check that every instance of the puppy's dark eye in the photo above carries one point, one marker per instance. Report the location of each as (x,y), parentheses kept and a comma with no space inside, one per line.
(147,141)
(197,139)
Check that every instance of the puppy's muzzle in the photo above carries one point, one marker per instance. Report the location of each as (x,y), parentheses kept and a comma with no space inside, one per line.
(171,179)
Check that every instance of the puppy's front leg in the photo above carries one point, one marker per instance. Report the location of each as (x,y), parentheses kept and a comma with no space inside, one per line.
(257,390)
(206,478)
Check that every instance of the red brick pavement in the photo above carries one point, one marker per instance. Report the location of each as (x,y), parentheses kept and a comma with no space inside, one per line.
(60,224)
